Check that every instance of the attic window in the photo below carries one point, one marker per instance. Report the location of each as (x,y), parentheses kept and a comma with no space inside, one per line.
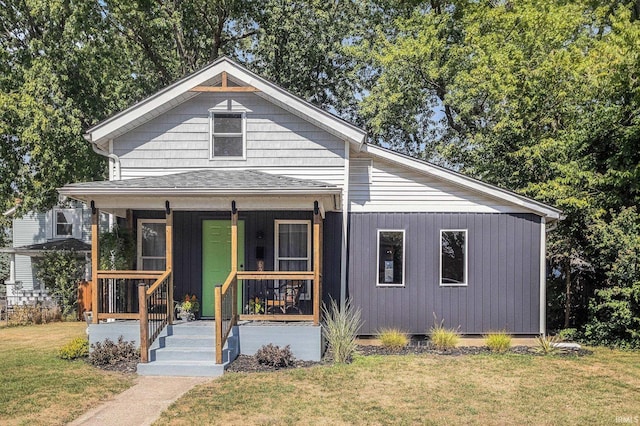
(227,135)
(63,223)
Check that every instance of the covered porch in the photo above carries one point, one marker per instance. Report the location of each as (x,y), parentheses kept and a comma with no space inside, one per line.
(248,245)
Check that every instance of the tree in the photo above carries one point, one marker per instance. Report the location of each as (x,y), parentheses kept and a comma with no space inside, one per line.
(60,272)
(541,97)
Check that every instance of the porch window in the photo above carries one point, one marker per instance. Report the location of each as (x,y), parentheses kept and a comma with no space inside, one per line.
(152,244)
(453,257)
(64,222)
(227,134)
(293,248)
(390,257)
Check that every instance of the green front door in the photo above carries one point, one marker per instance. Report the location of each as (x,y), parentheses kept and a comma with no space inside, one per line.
(216,259)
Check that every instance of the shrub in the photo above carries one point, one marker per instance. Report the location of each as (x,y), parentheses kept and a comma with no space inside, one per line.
(443,338)
(33,314)
(615,317)
(498,341)
(393,338)
(340,329)
(568,334)
(60,271)
(275,356)
(109,353)
(547,345)
(77,348)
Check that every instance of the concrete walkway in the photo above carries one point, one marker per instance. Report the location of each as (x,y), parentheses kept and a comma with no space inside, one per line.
(142,403)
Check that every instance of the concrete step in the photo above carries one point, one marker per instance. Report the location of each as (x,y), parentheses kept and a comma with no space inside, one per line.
(182,354)
(181,368)
(187,341)
(187,329)
(188,349)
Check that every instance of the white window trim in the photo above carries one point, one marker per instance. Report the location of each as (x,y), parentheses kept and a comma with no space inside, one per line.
(404,259)
(75,223)
(466,259)
(277,258)
(243,115)
(139,241)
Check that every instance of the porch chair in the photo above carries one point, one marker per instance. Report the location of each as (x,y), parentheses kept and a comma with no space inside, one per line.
(287,297)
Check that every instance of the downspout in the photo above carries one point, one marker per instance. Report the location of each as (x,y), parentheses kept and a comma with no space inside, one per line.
(345,220)
(543,276)
(114,172)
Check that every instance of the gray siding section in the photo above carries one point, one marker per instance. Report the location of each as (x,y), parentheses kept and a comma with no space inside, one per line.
(503,273)
(179,138)
(188,245)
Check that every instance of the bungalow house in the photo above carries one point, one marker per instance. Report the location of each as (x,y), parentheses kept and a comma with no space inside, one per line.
(64,227)
(264,206)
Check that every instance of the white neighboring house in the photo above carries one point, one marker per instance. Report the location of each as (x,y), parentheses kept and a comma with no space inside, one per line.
(65,227)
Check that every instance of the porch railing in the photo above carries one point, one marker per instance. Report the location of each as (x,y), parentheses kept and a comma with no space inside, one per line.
(117,293)
(225,311)
(278,295)
(226,302)
(155,311)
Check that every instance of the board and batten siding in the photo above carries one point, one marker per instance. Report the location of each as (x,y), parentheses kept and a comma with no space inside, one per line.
(376,185)
(187,247)
(503,273)
(277,141)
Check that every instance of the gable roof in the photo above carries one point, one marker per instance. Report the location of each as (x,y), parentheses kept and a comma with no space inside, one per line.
(203,182)
(181,91)
(464,181)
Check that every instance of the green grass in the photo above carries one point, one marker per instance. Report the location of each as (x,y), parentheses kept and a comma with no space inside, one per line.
(426,389)
(37,387)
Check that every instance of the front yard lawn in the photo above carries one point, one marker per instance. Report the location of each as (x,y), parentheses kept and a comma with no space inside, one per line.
(36,387)
(426,389)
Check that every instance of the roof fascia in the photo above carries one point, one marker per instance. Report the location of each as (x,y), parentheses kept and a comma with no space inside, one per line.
(72,191)
(465,181)
(271,91)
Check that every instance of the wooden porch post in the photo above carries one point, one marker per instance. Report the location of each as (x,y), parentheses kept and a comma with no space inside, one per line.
(144,323)
(317,265)
(234,258)
(169,261)
(95,262)
(234,237)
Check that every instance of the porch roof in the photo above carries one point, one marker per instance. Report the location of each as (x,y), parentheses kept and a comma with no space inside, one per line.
(203,182)
(68,244)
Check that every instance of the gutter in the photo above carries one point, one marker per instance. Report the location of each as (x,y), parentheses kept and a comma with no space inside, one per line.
(115,158)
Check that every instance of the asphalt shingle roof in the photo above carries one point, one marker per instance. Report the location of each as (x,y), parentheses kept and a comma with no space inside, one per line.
(209,180)
(68,244)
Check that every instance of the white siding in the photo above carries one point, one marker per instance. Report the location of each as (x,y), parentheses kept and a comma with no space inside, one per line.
(34,228)
(30,229)
(25,273)
(394,188)
(277,140)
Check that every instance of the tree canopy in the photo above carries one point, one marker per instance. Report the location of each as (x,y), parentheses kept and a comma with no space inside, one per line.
(538,96)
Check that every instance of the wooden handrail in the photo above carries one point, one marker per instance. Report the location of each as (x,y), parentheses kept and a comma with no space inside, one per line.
(228,281)
(129,274)
(156,284)
(275,275)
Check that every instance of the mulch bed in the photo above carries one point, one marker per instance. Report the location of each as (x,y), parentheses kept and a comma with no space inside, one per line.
(128,367)
(249,364)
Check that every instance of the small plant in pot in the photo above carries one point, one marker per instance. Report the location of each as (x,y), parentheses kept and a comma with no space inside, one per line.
(188,308)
